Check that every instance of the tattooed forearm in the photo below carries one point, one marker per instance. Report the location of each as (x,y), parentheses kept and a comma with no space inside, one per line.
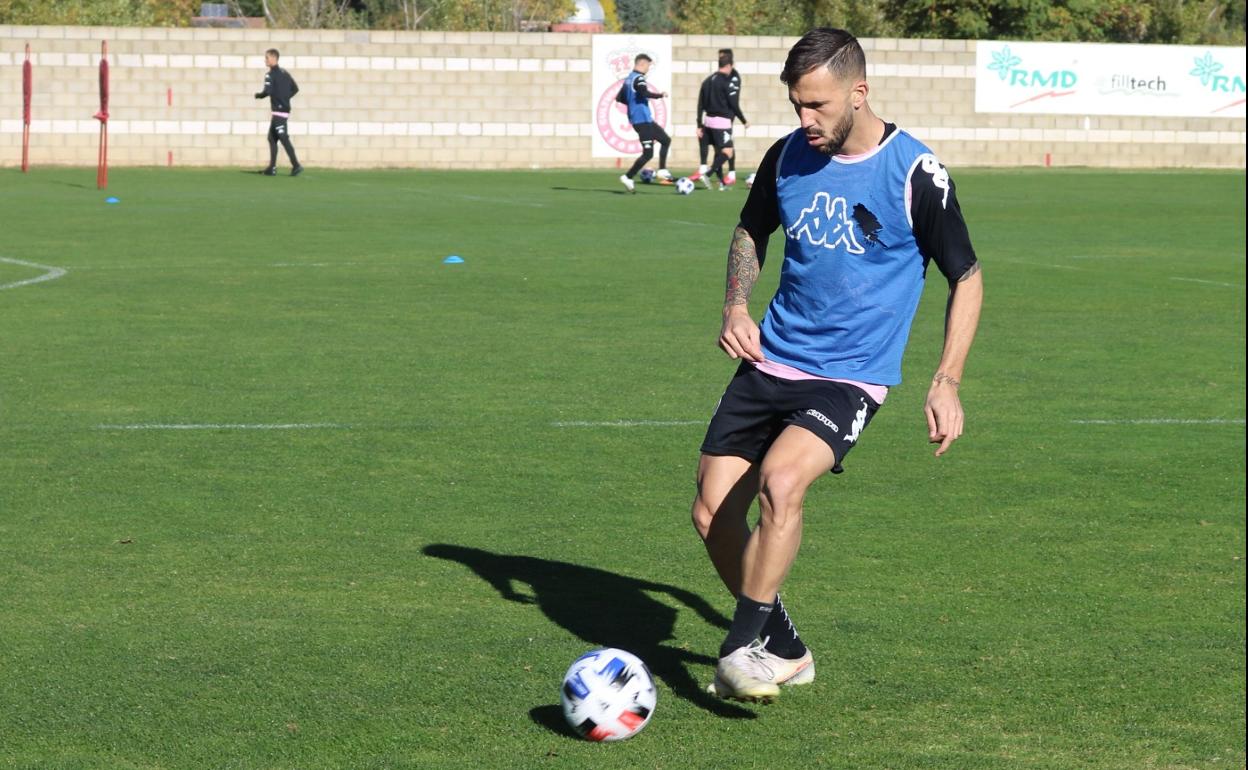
(742,268)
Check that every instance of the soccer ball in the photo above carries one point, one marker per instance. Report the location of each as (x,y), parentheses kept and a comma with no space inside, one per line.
(749,181)
(647,175)
(608,695)
(684,186)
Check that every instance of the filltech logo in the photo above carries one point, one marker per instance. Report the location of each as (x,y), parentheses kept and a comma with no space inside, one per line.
(1206,71)
(1007,65)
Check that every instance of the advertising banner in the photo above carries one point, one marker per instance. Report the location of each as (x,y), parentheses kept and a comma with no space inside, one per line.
(1102,79)
(613,137)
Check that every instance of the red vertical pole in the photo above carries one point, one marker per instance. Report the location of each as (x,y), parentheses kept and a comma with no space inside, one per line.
(101,173)
(27,90)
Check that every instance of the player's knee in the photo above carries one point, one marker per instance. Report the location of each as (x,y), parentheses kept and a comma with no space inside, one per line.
(727,152)
(781,495)
(703,515)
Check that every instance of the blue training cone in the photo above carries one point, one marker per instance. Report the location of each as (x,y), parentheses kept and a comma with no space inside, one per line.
(454,259)
(112,200)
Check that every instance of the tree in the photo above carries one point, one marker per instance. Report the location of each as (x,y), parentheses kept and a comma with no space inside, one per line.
(644,16)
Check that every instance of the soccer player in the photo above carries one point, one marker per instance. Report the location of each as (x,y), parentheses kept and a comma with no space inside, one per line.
(863,208)
(280,88)
(719,99)
(637,95)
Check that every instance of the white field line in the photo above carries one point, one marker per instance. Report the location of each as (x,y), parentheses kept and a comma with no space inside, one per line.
(1161,421)
(1209,283)
(225,426)
(625,423)
(1029,263)
(52,273)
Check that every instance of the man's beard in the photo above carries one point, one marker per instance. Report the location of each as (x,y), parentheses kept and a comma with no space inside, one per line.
(836,138)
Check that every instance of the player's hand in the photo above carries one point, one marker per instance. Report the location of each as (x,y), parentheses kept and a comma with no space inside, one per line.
(944,415)
(699,132)
(739,337)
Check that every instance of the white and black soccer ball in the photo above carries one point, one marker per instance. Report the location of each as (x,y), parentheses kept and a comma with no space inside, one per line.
(647,175)
(684,186)
(749,181)
(608,695)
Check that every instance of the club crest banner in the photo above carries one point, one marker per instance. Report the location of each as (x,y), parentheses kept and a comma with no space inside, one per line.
(613,55)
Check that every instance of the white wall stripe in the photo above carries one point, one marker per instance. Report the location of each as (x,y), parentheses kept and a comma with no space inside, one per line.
(396,128)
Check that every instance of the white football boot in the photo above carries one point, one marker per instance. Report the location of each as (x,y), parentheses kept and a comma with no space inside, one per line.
(745,675)
(628,183)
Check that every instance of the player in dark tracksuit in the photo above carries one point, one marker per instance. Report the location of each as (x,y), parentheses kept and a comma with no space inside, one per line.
(719,100)
(280,88)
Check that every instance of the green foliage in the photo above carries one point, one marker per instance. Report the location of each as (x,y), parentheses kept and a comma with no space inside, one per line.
(740,17)
(125,13)
(646,16)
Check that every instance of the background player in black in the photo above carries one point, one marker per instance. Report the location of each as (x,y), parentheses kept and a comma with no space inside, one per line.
(719,100)
(280,88)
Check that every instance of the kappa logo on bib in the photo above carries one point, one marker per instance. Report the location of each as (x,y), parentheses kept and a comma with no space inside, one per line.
(826,222)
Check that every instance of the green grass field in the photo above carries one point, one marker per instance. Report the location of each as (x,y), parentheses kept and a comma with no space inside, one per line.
(491,466)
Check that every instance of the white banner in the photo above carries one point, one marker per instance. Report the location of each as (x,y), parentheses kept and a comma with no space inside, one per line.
(1102,79)
(613,137)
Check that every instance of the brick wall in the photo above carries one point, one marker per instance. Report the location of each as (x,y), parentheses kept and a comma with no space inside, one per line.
(504,100)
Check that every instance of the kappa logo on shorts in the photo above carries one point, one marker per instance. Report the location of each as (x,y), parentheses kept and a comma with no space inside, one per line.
(821,417)
(860,420)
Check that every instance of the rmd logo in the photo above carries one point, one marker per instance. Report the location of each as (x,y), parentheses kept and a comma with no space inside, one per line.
(1007,66)
(1207,70)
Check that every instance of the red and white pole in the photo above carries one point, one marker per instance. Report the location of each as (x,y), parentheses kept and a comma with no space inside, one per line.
(101,172)
(28,86)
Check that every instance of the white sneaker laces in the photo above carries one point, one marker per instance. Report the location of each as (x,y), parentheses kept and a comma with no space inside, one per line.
(756,661)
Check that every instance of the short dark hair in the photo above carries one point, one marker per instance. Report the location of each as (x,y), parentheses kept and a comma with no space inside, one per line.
(725,57)
(835,49)
(641,57)
(276,54)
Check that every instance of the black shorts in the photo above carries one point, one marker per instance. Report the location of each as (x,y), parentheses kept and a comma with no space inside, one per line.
(720,137)
(277,128)
(649,133)
(756,407)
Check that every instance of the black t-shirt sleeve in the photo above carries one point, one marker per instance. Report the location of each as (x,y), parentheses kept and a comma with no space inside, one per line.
(760,216)
(937,219)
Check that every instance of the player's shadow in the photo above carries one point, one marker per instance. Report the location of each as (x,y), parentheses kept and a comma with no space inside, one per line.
(605,610)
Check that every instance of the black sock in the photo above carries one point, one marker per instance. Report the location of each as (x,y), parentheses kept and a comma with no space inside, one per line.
(638,164)
(732,162)
(781,635)
(272,153)
(663,154)
(290,151)
(747,623)
(718,168)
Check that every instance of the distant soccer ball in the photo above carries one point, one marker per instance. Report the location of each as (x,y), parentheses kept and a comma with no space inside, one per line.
(647,175)
(608,695)
(684,186)
(749,181)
